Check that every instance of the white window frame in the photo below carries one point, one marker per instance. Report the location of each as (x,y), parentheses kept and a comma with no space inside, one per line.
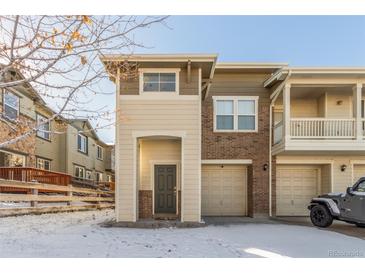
(43,160)
(80,167)
(159,70)
(101,152)
(40,132)
(86,143)
(235,100)
(4,103)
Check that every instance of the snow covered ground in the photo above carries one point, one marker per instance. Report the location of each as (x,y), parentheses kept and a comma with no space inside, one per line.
(79,235)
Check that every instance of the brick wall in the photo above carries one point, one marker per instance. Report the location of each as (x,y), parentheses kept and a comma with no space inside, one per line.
(145,204)
(254,146)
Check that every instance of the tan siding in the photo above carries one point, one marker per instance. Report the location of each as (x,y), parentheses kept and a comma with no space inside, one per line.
(341,179)
(326,179)
(335,110)
(156,150)
(166,115)
(131,87)
(304,108)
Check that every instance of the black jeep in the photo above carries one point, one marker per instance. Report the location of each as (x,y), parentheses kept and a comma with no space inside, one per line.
(348,207)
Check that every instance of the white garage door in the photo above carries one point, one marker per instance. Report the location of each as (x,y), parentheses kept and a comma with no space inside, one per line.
(295,187)
(359,171)
(224,190)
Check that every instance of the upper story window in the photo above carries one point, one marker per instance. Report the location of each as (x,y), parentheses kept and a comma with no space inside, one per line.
(155,80)
(82,143)
(99,176)
(235,113)
(43,127)
(11,105)
(99,152)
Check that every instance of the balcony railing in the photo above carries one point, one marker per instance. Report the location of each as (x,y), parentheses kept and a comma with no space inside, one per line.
(318,128)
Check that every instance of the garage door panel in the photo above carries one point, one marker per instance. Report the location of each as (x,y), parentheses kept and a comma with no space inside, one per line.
(224,190)
(296,186)
(359,171)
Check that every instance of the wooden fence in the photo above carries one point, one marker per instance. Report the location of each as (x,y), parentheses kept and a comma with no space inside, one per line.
(48,193)
(29,174)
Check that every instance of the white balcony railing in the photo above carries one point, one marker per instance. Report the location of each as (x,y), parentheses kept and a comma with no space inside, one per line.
(316,128)
(278,132)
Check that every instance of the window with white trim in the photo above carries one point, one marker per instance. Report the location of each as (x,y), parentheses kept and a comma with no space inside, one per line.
(159,80)
(235,113)
(82,143)
(43,164)
(79,172)
(11,105)
(108,178)
(43,127)
(99,152)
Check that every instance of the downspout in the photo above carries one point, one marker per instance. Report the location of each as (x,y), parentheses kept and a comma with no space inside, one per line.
(270,140)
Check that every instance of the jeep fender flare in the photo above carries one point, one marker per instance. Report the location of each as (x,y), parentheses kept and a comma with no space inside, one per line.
(329,203)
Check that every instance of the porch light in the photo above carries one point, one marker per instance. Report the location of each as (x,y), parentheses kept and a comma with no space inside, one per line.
(265,166)
(343,168)
(339,102)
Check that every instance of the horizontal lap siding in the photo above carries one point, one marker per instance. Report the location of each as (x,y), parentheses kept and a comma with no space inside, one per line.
(159,115)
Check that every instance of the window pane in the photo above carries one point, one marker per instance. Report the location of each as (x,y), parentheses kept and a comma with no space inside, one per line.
(167,87)
(224,107)
(246,107)
(225,122)
(11,99)
(150,77)
(10,112)
(150,87)
(167,77)
(246,122)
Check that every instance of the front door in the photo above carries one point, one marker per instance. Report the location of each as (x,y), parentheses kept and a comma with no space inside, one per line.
(165,189)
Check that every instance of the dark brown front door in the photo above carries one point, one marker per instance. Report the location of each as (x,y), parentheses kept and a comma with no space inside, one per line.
(165,189)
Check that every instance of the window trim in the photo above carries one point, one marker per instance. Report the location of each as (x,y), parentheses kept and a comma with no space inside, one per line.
(44,159)
(102,152)
(160,70)
(235,100)
(49,126)
(3,98)
(87,143)
(81,167)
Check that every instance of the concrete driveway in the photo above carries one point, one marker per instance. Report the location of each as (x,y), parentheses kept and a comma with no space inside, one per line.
(337,226)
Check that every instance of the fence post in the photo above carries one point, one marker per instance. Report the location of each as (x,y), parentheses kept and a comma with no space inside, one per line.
(34,203)
(69,194)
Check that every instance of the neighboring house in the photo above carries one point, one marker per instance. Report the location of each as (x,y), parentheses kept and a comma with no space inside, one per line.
(196,138)
(17,106)
(57,146)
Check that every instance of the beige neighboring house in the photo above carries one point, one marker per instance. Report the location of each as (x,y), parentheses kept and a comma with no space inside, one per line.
(72,147)
(199,138)
(58,146)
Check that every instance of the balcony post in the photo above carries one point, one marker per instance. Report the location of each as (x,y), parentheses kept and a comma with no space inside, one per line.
(286,116)
(356,102)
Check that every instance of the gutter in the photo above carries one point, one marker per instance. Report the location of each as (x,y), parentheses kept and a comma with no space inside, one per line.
(276,94)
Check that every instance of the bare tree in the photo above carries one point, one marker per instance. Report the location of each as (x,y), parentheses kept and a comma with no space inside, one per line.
(59,57)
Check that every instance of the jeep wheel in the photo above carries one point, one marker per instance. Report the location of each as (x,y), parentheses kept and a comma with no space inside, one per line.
(320,216)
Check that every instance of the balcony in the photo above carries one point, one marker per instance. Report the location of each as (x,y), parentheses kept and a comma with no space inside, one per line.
(319,119)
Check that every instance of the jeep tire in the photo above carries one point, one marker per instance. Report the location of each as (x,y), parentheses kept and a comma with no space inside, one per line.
(321,216)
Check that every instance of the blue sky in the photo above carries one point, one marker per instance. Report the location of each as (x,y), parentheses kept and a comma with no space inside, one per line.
(298,40)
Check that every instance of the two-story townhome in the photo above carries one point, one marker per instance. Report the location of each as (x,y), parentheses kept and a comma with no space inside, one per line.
(318,134)
(199,138)
(17,116)
(61,145)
